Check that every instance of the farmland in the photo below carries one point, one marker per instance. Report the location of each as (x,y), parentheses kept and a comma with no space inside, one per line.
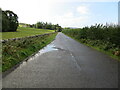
(24,31)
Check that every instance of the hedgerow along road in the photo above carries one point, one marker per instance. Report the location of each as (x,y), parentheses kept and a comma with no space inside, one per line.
(65,63)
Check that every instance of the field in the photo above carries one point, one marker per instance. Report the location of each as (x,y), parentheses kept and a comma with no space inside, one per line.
(23,32)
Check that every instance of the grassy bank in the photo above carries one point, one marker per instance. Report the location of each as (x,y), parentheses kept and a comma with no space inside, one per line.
(102,38)
(23,32)
(16,51)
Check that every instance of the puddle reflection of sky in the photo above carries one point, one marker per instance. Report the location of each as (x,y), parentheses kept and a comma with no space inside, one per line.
(48,48)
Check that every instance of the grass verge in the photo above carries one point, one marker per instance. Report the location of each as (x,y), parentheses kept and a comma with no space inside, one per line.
(100,48)
(13,52)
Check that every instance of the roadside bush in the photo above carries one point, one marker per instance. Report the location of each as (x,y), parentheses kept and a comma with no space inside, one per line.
(105,37)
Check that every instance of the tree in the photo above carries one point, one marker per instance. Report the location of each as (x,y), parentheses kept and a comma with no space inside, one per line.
(13,20)
(59,28)
(9,21)
(39,25)
(48,25)
(53,27)
(5,22)
(0,19)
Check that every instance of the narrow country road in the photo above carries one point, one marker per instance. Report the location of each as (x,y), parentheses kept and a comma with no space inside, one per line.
(65,63)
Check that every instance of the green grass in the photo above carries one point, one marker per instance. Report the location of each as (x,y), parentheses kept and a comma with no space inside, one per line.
(23,32)
(14,52)
(104,38)
(98,48)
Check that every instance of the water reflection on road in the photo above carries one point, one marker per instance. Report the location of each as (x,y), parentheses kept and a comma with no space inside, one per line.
(48,48)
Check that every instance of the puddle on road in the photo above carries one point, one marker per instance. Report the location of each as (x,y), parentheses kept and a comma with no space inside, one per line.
(48,48)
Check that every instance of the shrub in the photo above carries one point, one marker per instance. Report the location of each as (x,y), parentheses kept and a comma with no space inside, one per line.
(105,37)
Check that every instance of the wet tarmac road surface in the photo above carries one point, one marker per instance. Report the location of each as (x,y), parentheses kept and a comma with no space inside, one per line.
(65,63)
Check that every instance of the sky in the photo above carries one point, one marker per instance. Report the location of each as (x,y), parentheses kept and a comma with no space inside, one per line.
(66,13)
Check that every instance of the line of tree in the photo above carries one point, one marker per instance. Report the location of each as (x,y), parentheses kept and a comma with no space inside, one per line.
(105,33)
(42,25)
(9,21)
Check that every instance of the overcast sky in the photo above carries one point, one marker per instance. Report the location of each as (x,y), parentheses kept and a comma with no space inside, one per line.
(67,13)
